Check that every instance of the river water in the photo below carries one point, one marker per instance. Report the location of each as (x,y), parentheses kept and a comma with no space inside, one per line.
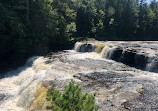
(123,74)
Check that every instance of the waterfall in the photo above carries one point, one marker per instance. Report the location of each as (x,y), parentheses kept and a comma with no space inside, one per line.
(20,86)
(25,89)
(84,47)
(152,64)
(102,49)
(104,52)
(113,53)
(77,46)
(30,61)
(127,56)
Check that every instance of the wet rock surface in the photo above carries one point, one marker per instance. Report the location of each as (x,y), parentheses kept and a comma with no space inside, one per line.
(118,86)
(142,55)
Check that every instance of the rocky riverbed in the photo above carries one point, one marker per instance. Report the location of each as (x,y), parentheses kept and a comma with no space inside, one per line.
(121,83)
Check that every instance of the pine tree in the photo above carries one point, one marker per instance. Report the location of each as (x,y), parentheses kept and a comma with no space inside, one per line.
(71,100)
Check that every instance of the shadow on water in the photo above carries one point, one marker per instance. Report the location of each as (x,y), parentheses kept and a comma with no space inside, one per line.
(17,71)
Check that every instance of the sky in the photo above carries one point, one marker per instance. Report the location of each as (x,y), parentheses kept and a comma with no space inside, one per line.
(148,1)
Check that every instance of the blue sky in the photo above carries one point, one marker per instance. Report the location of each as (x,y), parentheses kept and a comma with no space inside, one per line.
(149,1)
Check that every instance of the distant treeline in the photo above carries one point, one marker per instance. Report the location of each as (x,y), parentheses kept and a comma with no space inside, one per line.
(117,19)
(29,27)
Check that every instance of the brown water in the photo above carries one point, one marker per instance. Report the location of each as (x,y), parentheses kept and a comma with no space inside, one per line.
(119,87)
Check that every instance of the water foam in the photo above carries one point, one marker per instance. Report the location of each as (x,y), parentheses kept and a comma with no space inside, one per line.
(18,86)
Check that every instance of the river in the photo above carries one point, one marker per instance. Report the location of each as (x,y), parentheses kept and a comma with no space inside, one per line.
(123,75)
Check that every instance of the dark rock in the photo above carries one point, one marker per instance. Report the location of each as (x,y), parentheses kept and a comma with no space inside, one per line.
(129,57)
(86,48)
(116,54)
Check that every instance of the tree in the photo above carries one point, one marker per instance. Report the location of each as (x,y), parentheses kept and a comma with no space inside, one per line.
(146,18)
(71,100)
(86,14)
(129,18)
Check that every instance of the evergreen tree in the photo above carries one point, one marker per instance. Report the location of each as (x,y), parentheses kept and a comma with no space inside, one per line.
(71,100)
(45,25)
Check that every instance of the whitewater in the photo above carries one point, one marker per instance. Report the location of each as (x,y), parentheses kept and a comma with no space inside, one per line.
(124,76)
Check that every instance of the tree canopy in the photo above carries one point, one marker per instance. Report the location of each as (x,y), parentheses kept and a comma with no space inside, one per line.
(30,27)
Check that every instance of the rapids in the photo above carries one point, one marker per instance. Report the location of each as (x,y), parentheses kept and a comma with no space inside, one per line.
(123,74)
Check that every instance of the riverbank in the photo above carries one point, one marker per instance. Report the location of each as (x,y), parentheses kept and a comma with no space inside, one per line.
(12,64)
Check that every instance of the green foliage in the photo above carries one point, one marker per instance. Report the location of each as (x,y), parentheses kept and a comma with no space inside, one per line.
(49,25)
(71,100)
(111,11)
(39,25)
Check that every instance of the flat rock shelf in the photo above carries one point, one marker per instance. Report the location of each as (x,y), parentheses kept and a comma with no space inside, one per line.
(123,75)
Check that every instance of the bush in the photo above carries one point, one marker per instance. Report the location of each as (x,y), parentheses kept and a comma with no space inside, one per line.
(71,100)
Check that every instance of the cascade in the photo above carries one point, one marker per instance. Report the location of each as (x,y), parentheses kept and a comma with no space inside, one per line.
(84,47)
(20,86)
(104,52)
(129,56)
(104,69)
(77,46)
(152,64)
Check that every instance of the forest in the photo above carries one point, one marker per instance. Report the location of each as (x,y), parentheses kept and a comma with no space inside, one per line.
(35,27)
